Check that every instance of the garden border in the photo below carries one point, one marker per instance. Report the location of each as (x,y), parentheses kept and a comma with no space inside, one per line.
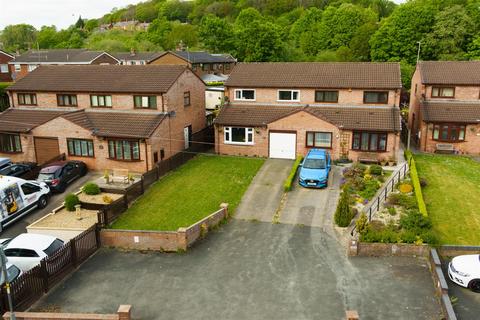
(416,183)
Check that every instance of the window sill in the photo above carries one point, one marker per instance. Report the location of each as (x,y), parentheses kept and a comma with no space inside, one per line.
(316,147)
(240,143)
(145,108)
(251,100)
(288,100)
(73,155)
(449,141)
(101,107)
(11,152)
(326,101)
(372,151)
(123,160)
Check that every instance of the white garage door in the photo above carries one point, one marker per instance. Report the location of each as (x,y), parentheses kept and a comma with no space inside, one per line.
(283,145)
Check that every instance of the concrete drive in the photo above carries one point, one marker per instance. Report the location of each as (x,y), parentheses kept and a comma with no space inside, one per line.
(312,207)
(263,196)
(251,270)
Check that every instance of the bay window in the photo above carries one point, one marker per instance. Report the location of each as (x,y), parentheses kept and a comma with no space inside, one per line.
(245,94)
(127,150)
(80,147)
(10,143)
(448,132)
(443,92)
(238,135)
(376,97)
(369,141)
(319,139)
(288,95)
(101,100)
(145,102)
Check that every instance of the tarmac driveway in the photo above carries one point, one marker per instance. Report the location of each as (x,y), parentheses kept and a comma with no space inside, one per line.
(250,270)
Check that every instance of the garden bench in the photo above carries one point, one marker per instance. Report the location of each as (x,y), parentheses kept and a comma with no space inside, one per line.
(120,175)
(368,157)
(444,148)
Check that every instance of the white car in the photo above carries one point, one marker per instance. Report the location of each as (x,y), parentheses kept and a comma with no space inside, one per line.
(28,249)
(13,272)
(465,271)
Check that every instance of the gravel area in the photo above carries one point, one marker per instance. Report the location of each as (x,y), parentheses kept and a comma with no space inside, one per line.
(98,198)
(69,219)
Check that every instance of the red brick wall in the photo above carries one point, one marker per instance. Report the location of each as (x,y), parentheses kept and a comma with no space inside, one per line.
(471,145)
(4,59)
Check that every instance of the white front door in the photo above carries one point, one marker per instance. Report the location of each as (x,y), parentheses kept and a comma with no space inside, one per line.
(283,145)
(186,137)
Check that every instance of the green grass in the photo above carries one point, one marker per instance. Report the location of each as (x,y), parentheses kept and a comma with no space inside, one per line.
(452,196)
(191,193)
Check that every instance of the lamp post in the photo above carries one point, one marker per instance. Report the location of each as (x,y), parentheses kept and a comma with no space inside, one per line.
(3,259)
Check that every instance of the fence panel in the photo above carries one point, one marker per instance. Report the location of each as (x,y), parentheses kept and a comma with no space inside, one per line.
(112,211)
(59,264)
(134,191)
(149,178)
(85,244)
(26,289)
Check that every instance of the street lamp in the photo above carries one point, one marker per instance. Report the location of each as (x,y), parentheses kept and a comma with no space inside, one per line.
(3,259)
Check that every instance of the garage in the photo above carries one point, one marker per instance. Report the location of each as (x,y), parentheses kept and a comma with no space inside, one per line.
(282,145)
(46,149)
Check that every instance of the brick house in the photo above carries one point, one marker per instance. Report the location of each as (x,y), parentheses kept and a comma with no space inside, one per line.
(444,110)
(5,74)
(30,60)
(126,117)
(135,58)
(201,63)
(281,110)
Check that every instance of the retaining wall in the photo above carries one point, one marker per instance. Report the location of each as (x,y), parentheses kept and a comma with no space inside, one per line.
(123,313)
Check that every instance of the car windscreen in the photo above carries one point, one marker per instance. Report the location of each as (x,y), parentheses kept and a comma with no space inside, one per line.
(57,244)
(314,164)
(12,274)
(6,171)
(46,176)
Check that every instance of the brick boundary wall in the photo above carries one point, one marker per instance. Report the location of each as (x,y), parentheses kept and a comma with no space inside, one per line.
(357,248)
(169,241)
(123,313)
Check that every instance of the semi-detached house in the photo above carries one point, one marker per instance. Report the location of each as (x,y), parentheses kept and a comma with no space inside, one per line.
(281,110)
(126,117)
(444,110)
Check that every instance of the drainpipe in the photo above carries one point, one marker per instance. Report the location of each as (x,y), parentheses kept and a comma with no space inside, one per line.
(146,154)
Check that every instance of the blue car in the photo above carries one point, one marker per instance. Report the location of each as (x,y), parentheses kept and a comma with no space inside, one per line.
(314,169)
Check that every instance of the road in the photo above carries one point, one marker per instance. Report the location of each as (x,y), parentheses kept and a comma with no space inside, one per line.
(55,200)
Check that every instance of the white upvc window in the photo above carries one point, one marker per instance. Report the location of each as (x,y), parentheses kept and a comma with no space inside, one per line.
(245,94)
(238,135)
(288,95)
(4,68)
(18,68)
(32,67)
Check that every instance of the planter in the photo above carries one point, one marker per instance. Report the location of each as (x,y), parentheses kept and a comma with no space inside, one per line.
(95,202)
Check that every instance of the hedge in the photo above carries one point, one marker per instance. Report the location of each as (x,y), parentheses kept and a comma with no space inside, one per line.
(416,183)
(287,186)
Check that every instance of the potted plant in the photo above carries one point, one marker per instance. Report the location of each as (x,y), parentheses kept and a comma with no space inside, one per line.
(106,176)
(383,162)
(391,161)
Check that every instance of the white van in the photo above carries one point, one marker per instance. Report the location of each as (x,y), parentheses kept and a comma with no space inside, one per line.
(18,197)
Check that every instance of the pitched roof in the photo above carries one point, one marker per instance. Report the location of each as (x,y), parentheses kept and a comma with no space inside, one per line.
(450,72)
(100,78)
(201,57)
(146,56)
(24,120)
(345,117)
(58,56)
(7,54)
(451,111)
(362,75)
(117,124)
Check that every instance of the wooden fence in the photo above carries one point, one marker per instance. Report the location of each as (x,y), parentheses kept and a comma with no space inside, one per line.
(31,285)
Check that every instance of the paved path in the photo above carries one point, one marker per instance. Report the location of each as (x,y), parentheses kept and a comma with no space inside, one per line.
(263,196)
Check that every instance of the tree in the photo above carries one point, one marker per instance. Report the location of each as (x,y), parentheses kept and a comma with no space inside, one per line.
(47,37)
(255,38)
(343,214)
(158,30)
(176,10)
(304,31)
(181,32)
(91,25)
(80,24)
(398,36)
(474,49)
(359,44)
(18,37)
(216,34)
(146,12)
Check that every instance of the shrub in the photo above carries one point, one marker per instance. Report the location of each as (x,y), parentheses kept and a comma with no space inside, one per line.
(408,236)
(356,170)
(384,235)
(375,169)
(429,237)
(415,221)
(362,224)
(343,214)
(71,200)
(423,182)
(416,183)
(404,200)
(392,211)
(91,189)
(107,199)
(287,186)
(369,189)
(405,188)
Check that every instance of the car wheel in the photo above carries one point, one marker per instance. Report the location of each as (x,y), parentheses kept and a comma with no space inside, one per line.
(42,202)
(474,285)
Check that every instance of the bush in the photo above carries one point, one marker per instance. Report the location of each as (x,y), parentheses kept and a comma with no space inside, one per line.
(405,188)
(107,199)
(408,236)
(423,182)
(429,237)
(343,214)
(356,170)
(404,200)
(416,183)
(392,211)
(384,235)
(91,189)
(375,169)
(361,224)
(71,200)
(369,190)
(287,186)
(415,221)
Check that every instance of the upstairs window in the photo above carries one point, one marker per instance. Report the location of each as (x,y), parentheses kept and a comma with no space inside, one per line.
(66,100)
(443,92)
(288,95)
(326,96)
(101,101)
(245,94)
(10,143)
(27,99)
(145,102)
(375,97)
(186,99)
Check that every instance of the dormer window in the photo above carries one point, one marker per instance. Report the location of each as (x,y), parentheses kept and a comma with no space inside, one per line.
(443,92)
(245,94)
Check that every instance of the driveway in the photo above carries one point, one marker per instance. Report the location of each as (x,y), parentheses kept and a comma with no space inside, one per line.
(250,270)
(312,207)
(262,198)
(20,226)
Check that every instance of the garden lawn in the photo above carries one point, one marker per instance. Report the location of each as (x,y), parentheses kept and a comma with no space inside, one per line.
(452,197)
(190,193)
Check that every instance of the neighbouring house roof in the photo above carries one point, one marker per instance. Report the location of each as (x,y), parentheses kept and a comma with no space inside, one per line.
(451,111)
(116,123)
(144,56)
(24,120)
(214,78)
(345,117)
(348,75)
(100,78)
(7,54)
(450,72)
(53,56)
(201,57)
